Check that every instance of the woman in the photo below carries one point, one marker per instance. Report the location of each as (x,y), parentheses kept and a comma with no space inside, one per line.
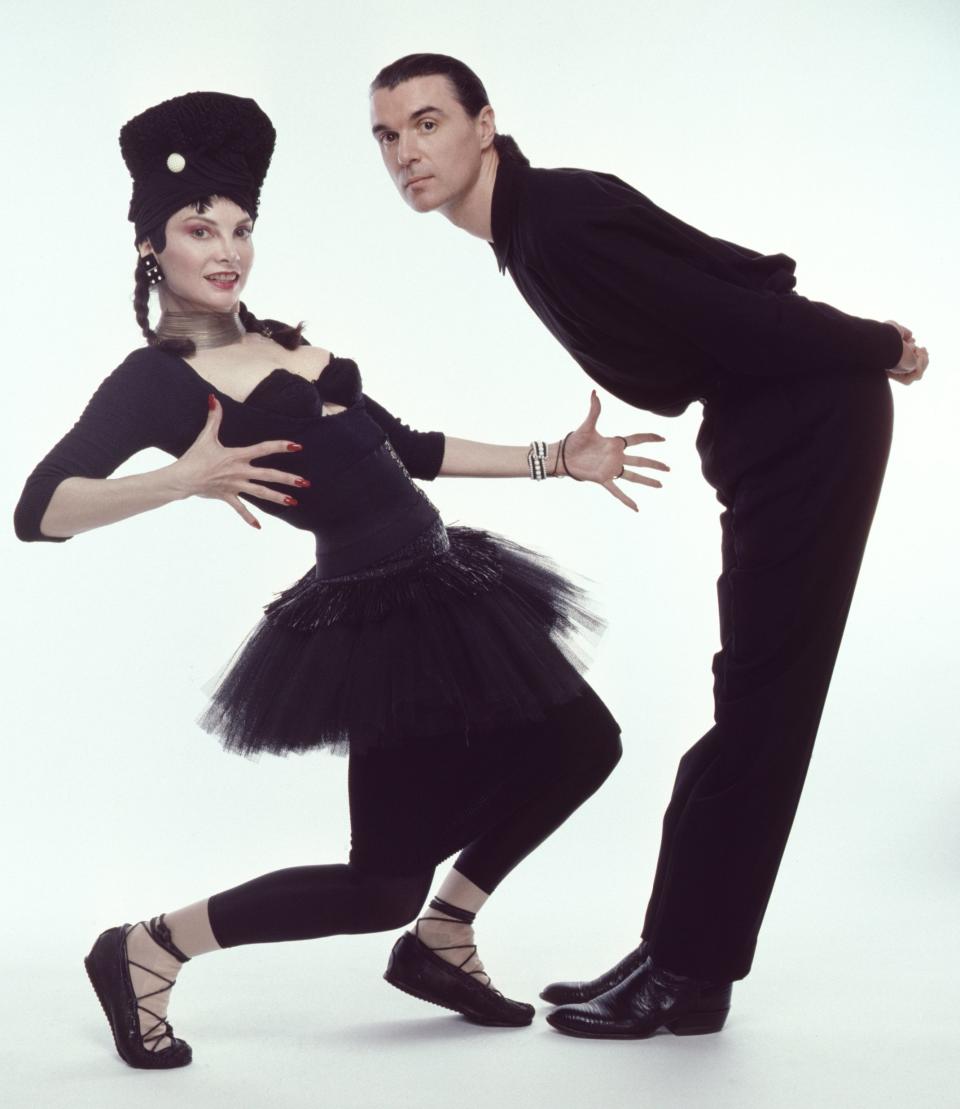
(436,658)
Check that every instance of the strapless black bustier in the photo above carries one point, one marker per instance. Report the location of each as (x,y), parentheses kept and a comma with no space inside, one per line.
(362,505)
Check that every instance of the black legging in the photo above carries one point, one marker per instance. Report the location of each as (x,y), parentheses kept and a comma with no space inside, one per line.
(497,798)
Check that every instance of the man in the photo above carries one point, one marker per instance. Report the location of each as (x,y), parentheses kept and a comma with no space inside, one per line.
(795,436)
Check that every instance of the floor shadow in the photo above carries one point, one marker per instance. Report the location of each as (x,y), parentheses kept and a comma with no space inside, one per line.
(423,1030)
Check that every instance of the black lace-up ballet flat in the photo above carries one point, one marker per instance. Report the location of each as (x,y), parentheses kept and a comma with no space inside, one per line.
(647,1000)
(416,969)
(567,993)
(109,974)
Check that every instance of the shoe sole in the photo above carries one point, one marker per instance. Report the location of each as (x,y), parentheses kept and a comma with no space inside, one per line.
(693,1024)
(472,1017)
(96,990)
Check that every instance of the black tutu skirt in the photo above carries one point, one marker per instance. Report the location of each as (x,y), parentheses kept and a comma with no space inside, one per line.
(461,633)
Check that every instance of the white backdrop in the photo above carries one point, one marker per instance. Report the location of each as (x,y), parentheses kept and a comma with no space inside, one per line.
(822,129)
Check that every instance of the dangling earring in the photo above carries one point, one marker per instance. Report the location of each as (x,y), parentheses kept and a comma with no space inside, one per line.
(150,268)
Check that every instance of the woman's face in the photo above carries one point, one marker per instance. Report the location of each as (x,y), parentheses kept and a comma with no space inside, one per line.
(207,258)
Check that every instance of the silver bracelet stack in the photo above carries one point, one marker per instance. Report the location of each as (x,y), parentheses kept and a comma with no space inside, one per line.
(537,459)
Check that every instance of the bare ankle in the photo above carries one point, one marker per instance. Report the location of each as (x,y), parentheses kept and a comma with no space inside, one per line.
(453,941)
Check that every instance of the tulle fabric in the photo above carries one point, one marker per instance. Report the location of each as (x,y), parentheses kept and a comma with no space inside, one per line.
(460,634)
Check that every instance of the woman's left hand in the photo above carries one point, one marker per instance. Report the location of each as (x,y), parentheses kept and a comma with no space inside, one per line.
(590,456)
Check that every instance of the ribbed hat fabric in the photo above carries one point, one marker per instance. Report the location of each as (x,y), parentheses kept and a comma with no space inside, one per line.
(193,146)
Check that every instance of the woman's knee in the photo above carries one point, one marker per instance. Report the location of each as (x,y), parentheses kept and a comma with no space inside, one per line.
(611,750)
(588,761)
(606,750)
(587,735)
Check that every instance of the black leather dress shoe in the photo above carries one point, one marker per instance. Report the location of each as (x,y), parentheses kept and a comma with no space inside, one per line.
(649,999)
(566,993)
(416,970)
(110,977)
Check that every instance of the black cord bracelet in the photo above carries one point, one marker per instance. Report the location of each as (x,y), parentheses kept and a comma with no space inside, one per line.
(563,457)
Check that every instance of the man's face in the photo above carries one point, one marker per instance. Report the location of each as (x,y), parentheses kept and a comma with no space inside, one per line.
(430,146)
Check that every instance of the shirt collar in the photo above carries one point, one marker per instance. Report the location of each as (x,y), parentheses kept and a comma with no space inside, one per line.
(503,210)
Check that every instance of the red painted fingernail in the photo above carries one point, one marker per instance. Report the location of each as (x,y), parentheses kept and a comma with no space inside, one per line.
(211,401)
(290,500)
(302,482)
(256,524)
(294,447)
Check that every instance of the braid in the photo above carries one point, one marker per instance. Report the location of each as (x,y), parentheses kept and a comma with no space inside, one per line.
(286,336)
(141,304)
(141,308)
(249,320)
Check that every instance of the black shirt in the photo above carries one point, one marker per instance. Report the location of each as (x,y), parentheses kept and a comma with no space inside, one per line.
(655,311)
(359,506)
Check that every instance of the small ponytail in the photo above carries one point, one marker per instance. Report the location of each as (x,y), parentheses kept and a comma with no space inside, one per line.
(508,151)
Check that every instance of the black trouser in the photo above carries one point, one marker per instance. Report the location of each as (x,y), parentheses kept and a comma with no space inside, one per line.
(797,465)
(412,806)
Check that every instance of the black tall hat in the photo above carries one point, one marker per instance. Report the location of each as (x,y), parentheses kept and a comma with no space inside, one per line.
(194,146)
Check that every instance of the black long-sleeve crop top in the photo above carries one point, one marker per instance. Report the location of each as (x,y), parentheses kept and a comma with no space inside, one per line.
(361,505)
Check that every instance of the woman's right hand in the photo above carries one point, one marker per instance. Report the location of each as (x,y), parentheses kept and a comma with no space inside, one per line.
(209,469)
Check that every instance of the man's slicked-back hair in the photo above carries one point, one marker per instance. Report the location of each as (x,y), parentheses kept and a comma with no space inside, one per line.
(467,88)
